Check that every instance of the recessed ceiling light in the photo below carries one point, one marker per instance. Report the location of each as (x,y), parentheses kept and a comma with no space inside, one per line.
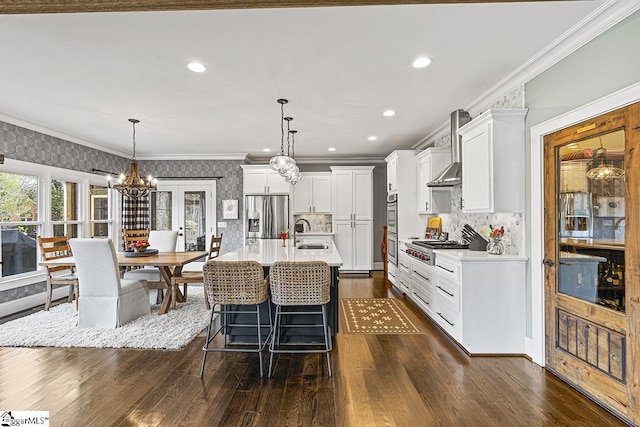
(196,67)
(266,150)
(372,138)
(331,148)
(389,113)
(421,62)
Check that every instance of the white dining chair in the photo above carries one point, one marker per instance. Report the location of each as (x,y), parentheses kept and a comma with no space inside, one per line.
(163,241)
(105,300)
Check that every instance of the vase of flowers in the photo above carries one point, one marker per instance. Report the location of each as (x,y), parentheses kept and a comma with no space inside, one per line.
(284,234)
(140,245)
(495,245)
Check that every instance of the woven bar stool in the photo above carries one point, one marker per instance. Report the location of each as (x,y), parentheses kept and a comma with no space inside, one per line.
(236,283)
(305,284)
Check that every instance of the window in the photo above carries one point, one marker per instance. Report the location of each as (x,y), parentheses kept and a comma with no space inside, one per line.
(99,212)
(64,209)
(19,223)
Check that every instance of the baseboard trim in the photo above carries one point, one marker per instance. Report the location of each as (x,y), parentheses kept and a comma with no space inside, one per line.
(27,303)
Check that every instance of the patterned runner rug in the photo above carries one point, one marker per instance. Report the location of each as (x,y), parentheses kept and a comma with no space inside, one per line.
(376,316)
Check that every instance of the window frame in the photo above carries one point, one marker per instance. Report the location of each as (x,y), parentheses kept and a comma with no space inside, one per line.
(46,174)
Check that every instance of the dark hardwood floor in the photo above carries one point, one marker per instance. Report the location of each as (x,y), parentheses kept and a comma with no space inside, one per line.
(379,380)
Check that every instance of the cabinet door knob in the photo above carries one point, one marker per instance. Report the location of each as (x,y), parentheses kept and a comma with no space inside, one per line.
(548,262)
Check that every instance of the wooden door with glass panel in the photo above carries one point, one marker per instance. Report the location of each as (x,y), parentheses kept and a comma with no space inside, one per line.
(592,192)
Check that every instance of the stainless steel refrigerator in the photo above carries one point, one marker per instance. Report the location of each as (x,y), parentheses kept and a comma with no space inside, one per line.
(266,216)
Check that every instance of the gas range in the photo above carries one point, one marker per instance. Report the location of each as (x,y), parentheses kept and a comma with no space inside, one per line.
(423,249)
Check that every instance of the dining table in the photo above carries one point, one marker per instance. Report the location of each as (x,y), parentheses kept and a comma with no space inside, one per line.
(168,263)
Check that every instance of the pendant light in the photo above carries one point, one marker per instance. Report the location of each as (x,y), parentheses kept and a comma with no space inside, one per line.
(281,162)
(294,175)
(604,171)
(132,185)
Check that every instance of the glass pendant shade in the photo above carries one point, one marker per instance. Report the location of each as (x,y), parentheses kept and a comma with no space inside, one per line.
(604,171)
(132,185)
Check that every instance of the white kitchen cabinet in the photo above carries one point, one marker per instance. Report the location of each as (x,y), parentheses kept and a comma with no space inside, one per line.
(493,172)
(402,165)
(354,241)
(312,194)
(258,179)
(430,163)
(353,216)
(422,292)
(479,300)
(404,272)
(392,171)
(352,192)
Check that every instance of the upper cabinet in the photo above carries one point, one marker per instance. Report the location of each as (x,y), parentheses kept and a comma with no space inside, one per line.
(431,162)
(259,179)
(493,162)
(392,173)
(313,194)
(352,192)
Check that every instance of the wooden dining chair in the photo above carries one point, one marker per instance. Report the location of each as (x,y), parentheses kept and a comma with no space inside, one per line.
(192,272)
(54,248)
(131,236)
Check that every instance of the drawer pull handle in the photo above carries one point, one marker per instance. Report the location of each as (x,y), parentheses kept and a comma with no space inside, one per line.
(420,298)
(446,269)
(425,278)
(445,319)
(448,293)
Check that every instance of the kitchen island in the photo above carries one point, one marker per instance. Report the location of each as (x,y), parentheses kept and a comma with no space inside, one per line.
(268,251)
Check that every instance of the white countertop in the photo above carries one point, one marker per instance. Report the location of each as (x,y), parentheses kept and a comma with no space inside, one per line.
(313,233)
(267,251)
(482,256)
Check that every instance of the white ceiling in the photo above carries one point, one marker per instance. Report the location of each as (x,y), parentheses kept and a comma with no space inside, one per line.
(81,76)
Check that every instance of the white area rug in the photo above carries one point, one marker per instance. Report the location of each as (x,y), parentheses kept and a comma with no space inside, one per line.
(57,328)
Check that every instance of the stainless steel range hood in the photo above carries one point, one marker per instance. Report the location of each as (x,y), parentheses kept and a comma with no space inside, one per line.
(452,175)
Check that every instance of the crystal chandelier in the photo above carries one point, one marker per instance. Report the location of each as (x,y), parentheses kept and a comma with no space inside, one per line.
(282,162)
(604,171)
(132,185)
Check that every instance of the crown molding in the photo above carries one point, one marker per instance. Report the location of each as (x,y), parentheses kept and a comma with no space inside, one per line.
(203,156)
(326,160)
(593,25)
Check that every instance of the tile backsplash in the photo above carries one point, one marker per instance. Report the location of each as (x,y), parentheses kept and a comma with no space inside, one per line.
(513,223)
(318,222)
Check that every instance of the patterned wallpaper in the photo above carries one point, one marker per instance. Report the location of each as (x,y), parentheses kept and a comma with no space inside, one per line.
(512,222)
(19,143)
(227,187)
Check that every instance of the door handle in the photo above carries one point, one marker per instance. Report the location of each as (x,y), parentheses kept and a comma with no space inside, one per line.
(548,262)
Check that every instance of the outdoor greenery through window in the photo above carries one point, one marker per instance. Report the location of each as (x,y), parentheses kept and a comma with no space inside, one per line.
(19,223)
(99,210)
(64,208)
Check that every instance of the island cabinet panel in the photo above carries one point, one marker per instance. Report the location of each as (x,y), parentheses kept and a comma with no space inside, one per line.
(493,160)
(479,300)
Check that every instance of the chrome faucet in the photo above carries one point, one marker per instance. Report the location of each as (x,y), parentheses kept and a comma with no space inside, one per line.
(295,242)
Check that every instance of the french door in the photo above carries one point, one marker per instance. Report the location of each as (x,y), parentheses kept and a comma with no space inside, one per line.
(187,207)
(592,247)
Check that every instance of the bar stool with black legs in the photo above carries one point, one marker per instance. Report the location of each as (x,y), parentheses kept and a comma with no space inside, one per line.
(236,289)
(300,289)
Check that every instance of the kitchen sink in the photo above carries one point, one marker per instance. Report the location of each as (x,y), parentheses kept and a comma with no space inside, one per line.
(313,246)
